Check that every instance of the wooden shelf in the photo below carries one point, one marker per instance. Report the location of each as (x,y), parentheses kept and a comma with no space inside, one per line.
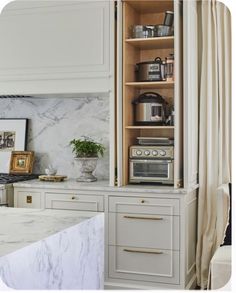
(148,6)
(152,84)
(149,127)
(152,43)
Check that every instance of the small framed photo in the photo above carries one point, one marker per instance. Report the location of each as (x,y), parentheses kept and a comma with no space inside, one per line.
(13,135)
(21,162)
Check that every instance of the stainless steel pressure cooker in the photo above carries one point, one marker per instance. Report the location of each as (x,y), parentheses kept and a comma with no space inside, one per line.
(149,109)
(150,70)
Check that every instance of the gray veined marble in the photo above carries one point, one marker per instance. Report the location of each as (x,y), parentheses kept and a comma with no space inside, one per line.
(49,249)
(54,122)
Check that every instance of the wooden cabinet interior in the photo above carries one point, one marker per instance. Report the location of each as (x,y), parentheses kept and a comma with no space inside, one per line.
(140,50)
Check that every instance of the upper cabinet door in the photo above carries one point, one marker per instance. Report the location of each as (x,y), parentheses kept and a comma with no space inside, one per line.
(190,55)
(46,41)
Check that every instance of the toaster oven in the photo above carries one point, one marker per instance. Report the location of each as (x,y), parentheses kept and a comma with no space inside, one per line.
(153,164)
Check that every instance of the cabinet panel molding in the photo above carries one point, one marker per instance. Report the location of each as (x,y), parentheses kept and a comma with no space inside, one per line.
(144,264)
(28,199)
(75,201)
(190,93)
(144,205)
(148,231)
(57,41)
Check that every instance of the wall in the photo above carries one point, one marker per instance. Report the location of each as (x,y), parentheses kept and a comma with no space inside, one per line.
(54,122)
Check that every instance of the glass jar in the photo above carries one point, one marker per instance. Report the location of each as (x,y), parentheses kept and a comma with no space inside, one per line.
(170,68)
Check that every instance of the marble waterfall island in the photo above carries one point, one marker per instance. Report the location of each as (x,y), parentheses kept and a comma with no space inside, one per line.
(51,249)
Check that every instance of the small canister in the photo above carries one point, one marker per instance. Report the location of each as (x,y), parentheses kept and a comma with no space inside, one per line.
(143,31)
(169,18)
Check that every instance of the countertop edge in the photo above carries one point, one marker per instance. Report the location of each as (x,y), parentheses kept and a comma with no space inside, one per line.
(102,186)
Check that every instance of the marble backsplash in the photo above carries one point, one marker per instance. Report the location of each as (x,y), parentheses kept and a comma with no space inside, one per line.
(54,122)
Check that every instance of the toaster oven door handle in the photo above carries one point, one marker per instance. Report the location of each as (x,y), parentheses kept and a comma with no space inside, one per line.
(143,218)
(142,251)
(169,161)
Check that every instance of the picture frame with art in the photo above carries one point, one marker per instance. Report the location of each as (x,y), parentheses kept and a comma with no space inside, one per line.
(13,136)
(21,162)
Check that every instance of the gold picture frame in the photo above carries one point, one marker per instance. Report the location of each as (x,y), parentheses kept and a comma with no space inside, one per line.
(21,162)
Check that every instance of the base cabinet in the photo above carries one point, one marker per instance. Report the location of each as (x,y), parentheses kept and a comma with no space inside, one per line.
(151,241)
(57,199)
(28,199)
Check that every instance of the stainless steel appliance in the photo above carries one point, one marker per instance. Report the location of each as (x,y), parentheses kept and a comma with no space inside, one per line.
(149,109)
(150,70)
(153,164)
(6,187)
(151,141)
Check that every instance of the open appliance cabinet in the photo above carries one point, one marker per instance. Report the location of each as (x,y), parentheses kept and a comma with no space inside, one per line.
(139,50)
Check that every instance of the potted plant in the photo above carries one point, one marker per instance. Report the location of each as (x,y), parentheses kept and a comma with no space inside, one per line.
(87,152)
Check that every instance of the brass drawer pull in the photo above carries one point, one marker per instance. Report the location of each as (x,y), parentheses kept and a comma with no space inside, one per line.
(28,199)
(73,197)
(143,251)
(144,218)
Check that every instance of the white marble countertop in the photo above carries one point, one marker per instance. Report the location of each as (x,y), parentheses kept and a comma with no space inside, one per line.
(21,227)
(98,186)
(51,249)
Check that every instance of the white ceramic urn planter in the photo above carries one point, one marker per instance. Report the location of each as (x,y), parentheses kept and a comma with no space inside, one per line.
(87,167)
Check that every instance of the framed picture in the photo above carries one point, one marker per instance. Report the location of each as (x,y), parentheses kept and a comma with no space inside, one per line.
(21,162)
(13,135)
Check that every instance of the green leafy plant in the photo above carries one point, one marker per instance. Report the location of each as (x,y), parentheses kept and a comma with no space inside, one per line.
(86,148)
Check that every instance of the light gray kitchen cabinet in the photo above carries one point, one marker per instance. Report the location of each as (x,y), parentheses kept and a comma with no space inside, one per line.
(190,63)
(74,201)
(182,91)
(57,47)
(151,240)
(58,199)
(28,199)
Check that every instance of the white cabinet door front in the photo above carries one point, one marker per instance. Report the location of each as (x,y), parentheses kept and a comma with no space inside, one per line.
(153,265)
(71,201)
(140,230)
(190,93)
(28,199)
(56,40)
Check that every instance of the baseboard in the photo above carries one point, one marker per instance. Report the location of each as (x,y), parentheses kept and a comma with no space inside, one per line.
(122,286)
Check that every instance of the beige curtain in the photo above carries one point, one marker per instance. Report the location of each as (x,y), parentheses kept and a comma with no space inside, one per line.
(214,26)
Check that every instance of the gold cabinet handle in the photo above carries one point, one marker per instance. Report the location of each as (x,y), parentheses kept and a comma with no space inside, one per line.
(143,251)
(143,218)
(28,199)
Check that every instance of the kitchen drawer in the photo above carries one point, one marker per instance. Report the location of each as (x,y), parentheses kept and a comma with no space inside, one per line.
(153,265)
(69,201)
(161,206)
(142,230)
(28,199)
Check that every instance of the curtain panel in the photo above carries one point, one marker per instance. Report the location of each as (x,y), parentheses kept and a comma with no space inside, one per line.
(214,26)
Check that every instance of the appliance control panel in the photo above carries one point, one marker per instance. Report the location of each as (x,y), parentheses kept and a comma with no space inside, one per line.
(158,152)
